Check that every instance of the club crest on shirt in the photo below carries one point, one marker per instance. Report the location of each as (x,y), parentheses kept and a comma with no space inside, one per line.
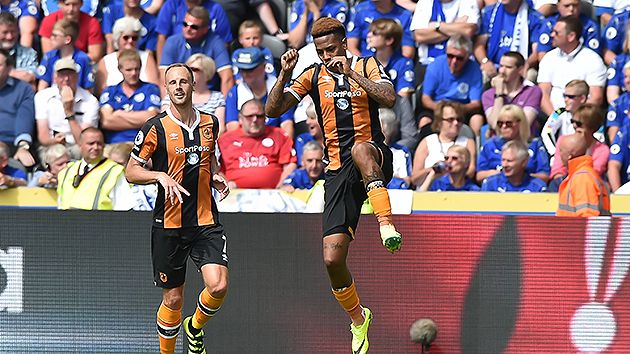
(342,103)
(192,158)
(139,97)
(267,142)
(206,132)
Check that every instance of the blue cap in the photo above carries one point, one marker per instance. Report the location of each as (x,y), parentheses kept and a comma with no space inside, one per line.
(248,58)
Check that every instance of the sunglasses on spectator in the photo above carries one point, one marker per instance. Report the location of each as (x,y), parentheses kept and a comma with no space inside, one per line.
(577,123)
(571,97)
(191,25)
(453,56)
(195,70)
(451,119)
(127,37)
(448,158)
(506,123)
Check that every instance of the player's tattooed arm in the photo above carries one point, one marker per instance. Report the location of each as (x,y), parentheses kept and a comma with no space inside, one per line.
(381,92)
(333,245)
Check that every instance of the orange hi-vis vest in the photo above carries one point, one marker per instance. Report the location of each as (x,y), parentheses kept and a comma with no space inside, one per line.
(583,193)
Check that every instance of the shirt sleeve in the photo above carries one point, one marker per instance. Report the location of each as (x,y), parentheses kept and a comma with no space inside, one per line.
(354,30)
(375,71)
(483,159)
(41,105)
(221,23)
(430,83)
(90,114)
(287,153)
(145,143)
(540,157)
(220,55)
(541,32)
(231,109)
(296,14)
(95,35)
(25,113)
(421,15)
(302,84)
(44,70)
(108,21)
(153,93)
(545,68)
(86,79)
(407,38)
(169,52)
(405,81)
(597,74)
(476,87)
(28,60)
(614,117)
(614,35)
(45,29)
(164,25)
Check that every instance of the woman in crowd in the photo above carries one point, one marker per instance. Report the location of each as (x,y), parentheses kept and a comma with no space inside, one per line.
(586,120)
(431,151)
(512,124)
(125,33)
(204,99)
(453,178)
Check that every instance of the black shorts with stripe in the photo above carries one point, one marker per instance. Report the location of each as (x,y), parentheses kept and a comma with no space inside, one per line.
(344,194)
(170,249)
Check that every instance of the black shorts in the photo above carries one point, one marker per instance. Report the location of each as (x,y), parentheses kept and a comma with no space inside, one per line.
(170,249)
(344,194)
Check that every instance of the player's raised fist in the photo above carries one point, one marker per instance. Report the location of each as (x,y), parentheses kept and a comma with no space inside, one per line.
(289,60)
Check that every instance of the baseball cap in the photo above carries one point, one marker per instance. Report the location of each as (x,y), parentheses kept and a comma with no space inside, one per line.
(66,63)
(248,58)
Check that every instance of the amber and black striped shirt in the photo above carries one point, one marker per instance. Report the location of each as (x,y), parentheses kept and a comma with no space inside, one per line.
(345,112)
(184,154)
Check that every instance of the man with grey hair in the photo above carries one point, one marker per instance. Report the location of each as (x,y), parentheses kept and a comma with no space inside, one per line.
(312,169)
(513,177)
(454,77)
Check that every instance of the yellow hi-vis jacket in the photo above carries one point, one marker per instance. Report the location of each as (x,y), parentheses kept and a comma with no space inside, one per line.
(93,191)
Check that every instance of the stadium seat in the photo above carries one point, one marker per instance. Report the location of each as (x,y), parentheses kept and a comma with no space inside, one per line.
(277,46)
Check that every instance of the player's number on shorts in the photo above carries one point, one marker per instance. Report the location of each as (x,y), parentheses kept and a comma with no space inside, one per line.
(224,251)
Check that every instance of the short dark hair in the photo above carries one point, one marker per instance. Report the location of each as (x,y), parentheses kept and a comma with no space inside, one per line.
(388,28)
(180,65)
(200,13)
(438,113)
(572,24)
(520,61)
(327,25)
(7,18)
(591,115)
(10,60)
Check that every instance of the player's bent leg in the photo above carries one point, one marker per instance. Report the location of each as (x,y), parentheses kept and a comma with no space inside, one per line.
(169,319)
(365,156)
(208,304)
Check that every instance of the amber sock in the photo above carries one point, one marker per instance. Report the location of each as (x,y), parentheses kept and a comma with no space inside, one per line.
(379,198)
(207,306)
(168,324)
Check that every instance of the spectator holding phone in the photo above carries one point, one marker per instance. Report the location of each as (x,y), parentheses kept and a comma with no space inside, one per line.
(447,122)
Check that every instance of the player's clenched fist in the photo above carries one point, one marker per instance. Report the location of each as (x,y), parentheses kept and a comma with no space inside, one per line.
(289,60)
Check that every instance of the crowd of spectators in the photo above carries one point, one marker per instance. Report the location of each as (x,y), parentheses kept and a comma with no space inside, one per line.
(486,89)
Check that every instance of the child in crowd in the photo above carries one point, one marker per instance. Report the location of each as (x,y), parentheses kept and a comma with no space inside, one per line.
(250,34)
(64,35)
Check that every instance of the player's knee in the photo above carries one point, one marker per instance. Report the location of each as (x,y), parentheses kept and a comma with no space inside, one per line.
(360,151)
(173,300)
(218,290)
(332,261)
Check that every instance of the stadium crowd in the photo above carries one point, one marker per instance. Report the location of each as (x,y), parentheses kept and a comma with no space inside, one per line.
(486,89)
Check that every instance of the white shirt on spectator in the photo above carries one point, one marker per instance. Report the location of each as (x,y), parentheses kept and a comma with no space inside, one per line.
(618,5)
(452,10)
(559,68)
(48,106)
